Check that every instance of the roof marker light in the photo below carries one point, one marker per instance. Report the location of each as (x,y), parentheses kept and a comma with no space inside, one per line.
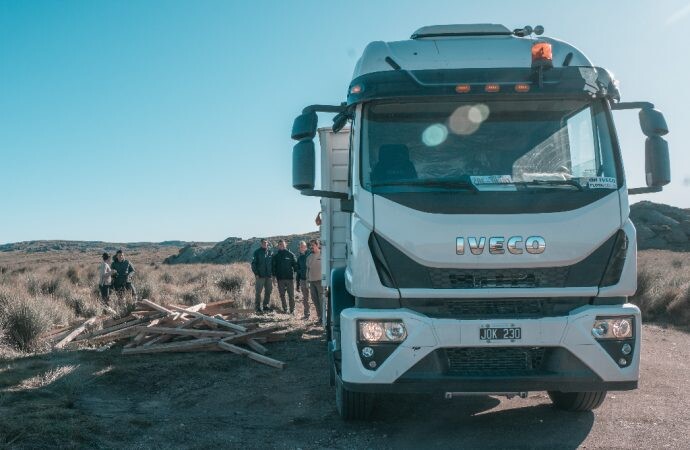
(463,88)
(492,87)
(542,54)
(356,89)
(522,87)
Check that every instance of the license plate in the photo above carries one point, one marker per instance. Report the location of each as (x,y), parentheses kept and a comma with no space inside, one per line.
(491,334)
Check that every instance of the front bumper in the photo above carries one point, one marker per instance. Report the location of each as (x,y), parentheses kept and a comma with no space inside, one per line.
(441,354)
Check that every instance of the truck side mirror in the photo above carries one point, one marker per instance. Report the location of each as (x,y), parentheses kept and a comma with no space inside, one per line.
(304,126)
(303,165)
(653,122)
(656,161)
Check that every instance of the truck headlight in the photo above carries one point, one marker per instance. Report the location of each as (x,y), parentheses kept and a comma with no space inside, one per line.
(613,328)
(381,331)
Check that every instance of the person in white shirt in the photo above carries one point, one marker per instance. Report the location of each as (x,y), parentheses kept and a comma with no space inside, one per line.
(105,278)
(314,276)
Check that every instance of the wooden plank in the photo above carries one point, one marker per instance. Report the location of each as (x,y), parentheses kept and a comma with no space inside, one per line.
(251,343)
(156,307)
(111,329)
(112,322)
(250,334)
(188,332)
(166,337)
(209,319)
(115,335)
(171,347)
(67,339)
(141,336)
(250,354)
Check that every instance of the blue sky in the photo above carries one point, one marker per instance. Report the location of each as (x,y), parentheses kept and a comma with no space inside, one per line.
(155,120)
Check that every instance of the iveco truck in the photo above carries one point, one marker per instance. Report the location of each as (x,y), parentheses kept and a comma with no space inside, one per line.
(475,220)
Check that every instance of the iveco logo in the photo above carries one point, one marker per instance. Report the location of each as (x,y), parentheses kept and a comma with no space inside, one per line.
(499,244)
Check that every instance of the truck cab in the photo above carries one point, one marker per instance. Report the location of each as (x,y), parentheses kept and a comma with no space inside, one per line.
(475,220)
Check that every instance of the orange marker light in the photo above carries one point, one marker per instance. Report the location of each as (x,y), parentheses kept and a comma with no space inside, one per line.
(522,87)
(462,88)
(356,89)
(492,87)
(541,51)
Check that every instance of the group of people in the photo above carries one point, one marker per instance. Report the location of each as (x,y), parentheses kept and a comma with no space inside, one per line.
(115,276)
(290,273)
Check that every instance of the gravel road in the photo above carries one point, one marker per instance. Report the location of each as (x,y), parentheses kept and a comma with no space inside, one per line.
(218,400)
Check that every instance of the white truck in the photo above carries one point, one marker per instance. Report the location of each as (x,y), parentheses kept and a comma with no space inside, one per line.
(475,220)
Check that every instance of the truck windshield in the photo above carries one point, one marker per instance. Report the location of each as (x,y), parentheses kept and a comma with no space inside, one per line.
(487,146)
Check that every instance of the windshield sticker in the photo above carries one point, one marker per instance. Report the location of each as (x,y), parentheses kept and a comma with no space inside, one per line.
(602,183)
(492,179)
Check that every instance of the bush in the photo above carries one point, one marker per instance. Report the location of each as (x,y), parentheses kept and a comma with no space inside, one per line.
(84,306)
(25,321)
(230,283)
(167,278)
(73,275)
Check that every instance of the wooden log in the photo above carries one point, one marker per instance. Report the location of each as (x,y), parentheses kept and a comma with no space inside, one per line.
(171,347)
(187,332)
(209,319)
(67,339)
(250,354)
(156,306)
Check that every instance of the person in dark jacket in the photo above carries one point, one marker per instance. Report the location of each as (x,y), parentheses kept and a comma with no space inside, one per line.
(262,269)
(284,265)
(301,283)
(122,271)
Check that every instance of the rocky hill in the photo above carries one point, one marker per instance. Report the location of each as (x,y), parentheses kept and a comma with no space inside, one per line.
(88,246)
(661,226)
(233,249)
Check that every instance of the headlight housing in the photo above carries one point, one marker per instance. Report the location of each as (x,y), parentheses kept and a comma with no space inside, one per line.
(613,328)
(381,331)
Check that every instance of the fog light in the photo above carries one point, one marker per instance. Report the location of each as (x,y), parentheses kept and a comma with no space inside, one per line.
(621,328)
(371,331)
(395,331)
(622,361)
(600,329)
(367,352)
(626,349)
(372,364)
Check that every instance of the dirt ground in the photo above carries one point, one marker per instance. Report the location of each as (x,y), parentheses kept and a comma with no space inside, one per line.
(199,400)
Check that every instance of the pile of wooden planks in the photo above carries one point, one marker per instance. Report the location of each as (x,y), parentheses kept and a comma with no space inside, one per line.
(154,328)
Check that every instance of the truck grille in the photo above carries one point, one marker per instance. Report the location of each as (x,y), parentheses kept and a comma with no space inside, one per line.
(495,361)
(497,278)
(494,308)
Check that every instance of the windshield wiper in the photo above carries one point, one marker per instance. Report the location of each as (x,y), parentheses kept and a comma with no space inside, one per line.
(463,184)
(572,182)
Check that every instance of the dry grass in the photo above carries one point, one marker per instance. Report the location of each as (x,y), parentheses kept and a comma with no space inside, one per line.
(663,287)
(42,291)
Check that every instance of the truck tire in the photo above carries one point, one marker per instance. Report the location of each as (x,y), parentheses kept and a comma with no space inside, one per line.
(352,405)
(577,401)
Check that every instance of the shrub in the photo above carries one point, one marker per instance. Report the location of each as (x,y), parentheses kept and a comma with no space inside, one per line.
(73,275)
(167,278)
(676,263)
(84,306)
(230,283)
(25,321)
(51,286)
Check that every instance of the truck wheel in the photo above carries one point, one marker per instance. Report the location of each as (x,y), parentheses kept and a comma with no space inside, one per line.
(577,401)
(352,405)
